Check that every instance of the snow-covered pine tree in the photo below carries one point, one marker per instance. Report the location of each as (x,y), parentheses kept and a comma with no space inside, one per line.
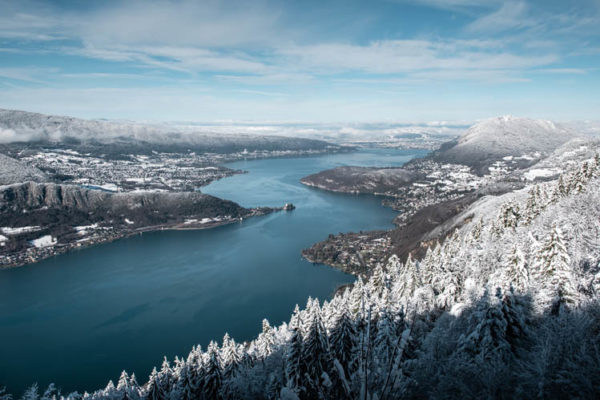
(51,393)
(488,339)
(510,215)
(356,299)
(343,345)
(407,281)
(553,267)
(213,373)
(152,390)
(32,393)
(4,395)
(515,316)
(110,391)
(231,358)
(387,332)
(165,379)
(476,231)
(265,340)
(516,273)
(394,266)
(532,206)
(127,385)
(378,281)
(293,361)
(316,357)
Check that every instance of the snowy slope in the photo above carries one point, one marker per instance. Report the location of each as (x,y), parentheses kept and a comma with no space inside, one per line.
(22,126)
(495,138)
(13,171)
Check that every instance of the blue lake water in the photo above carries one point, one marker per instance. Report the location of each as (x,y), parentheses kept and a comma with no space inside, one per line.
(79,319)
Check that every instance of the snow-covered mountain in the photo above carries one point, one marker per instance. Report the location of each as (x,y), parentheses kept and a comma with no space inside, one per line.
(23,126)
(496,138)
(14,171)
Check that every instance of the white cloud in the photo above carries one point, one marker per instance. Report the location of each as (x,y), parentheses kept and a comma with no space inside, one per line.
(8,136)
(511,15)
(452,4)
(406,56)
(209,23)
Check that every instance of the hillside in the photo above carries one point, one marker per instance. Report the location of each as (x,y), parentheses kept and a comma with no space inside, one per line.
(526,140)
(506,307)
(70,216)
(14,171)
(129,137)
(360,179)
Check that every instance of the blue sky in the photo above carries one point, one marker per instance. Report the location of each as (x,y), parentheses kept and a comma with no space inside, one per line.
(305,60)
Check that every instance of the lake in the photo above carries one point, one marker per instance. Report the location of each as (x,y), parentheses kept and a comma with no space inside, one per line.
(78,319)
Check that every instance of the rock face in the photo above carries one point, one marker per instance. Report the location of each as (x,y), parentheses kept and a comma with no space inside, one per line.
(40,220)
(495,138)
(360,179)
(14,171)
(47,204)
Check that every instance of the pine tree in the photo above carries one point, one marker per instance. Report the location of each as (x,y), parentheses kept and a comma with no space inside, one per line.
(378,281)
(577,182)
(516,272)
(356,299)
(213,377)
(514,316)
(488,339)
(230,357)
(394,266)
(4,395)
(265,340)
(165,379)
(124,383)
(533,206)
(31,393)
(343,340)
(561,189)
(109,391)
(51,393)
(510,215)
(315,355)
(553,264)
(293,360)
(152,391)
(476,231)
(408,281)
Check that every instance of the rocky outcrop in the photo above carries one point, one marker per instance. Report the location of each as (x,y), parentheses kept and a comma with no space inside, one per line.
(20,202)
(71,216)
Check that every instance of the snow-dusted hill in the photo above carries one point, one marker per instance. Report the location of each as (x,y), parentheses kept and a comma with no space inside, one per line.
(23,126)
(14,171)
(496,138)
(359,179)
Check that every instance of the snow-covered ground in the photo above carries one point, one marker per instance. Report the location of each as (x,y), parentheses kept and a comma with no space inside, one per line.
(44,241)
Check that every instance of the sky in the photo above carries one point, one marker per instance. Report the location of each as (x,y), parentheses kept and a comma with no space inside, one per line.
(304,60)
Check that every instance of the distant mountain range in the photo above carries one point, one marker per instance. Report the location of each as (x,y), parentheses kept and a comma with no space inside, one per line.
(23,126)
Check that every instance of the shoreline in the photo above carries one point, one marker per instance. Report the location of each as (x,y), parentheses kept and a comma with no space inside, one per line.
(75,246)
